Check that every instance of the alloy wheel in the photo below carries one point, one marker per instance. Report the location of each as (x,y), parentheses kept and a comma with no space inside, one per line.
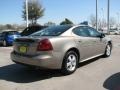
(71,62)
(108,50)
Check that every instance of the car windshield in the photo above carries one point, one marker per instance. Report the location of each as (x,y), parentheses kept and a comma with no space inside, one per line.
(52,30)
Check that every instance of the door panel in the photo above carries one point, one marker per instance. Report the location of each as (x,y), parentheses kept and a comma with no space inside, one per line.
(98,46)
(85,47)
(88,42)
(98,43)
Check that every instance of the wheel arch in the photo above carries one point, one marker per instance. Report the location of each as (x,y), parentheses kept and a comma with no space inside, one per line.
(63,68)
(75,50)
(110,43)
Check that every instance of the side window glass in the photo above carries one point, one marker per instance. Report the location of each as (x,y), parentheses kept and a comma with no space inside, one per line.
(76,31)
(93,32)
(81,31)
(84,32)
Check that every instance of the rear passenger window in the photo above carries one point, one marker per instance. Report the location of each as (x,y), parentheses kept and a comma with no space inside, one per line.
(81,31)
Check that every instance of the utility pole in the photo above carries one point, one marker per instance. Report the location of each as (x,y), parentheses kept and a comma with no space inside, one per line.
(108,17)
(102,19)
(27,13)
(97,15)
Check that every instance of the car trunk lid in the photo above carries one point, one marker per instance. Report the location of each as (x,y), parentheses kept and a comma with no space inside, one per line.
(29,45)
(26,46)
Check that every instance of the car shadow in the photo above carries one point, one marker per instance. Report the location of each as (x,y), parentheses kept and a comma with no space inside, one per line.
(113,82)
(21,74)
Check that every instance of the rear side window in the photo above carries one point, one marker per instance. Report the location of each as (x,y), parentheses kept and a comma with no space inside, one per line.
(81,31)
(52,31)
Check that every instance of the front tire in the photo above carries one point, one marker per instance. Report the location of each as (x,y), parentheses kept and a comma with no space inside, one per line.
(70,63)
(108,50)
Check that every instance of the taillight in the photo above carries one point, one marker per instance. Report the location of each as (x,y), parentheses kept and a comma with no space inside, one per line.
(44,45)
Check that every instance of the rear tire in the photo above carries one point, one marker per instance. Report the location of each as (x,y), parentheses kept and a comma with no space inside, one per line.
(70,63)
(108,50)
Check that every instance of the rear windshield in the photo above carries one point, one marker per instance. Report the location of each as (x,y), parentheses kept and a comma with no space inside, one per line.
(52,31)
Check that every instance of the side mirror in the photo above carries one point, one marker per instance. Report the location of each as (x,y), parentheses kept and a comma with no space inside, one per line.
(102,35)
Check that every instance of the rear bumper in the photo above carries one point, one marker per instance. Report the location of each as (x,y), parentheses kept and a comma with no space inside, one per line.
(44,61)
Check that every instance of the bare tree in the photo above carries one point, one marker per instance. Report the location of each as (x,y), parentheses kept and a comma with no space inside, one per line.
(93,20)
(112,21)
(101,22)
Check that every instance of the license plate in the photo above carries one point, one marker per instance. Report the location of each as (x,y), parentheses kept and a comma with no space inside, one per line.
(23,49)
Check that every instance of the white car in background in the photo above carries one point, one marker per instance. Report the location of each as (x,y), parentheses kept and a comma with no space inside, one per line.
(115,32)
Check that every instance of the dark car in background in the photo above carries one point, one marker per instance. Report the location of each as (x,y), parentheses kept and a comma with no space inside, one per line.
(31,29)
(8,37)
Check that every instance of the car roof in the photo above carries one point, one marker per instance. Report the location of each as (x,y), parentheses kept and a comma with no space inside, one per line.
(72,25)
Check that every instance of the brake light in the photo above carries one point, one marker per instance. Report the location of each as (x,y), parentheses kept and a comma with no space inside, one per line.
(44,45)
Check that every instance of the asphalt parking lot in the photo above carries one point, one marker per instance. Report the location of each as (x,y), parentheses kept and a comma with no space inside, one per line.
(97,74)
